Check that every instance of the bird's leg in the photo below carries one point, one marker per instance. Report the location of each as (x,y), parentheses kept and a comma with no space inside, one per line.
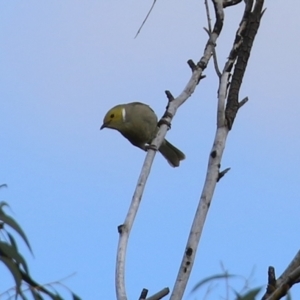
(152,147)
(164,121)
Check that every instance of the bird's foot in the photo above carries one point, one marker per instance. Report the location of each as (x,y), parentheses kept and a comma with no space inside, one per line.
(152,147)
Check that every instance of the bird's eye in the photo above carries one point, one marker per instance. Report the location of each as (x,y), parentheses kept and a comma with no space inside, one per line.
(112,115)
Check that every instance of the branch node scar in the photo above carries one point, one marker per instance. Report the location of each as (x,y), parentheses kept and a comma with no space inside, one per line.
(120,228)
(189,251)
(213,154)
(164,121)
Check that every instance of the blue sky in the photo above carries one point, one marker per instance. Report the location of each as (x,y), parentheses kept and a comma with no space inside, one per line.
(65,63)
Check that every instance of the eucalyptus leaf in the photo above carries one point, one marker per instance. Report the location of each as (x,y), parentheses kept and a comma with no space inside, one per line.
(12,253)
(13,224)
(14,271)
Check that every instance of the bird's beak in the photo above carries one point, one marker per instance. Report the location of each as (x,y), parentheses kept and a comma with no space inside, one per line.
(105,125)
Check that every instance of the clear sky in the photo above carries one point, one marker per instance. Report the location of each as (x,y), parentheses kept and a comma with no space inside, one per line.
(65,63)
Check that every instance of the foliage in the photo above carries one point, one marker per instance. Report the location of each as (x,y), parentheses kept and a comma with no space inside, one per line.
(16,264)
(245,293)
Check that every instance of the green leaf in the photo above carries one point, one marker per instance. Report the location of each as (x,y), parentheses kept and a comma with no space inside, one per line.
(21,295)
(12,241)
(250,295)
(75,297)
(13,224)
(14,271)
(11,253)
(211,278)
(35,294)
(57,297)
(3,203)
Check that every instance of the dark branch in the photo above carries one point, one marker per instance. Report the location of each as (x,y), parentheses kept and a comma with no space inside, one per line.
(143,294)
(221,174)
(242,48)
(192,65)
(286,285)
(164,292)
(148,14)
(271,283)
(231,3)
(169,96)
(277,288)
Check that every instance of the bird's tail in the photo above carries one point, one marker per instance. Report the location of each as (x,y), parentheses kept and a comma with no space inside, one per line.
(171,153)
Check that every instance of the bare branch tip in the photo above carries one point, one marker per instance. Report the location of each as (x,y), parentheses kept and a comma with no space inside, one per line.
(143,294)
(207,31)
(271,276)
(120,228)
(221,174)
(200,78)
(192,65)
(148,14)
(159,295)
(231,3)
(262,13)
(169,96)
(244,101)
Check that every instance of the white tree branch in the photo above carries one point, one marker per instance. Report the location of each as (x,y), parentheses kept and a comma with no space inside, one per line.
(214,162)
(211,179)
(125,228)
(212,176)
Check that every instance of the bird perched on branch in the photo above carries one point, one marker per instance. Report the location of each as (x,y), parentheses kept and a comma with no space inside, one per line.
(137,122)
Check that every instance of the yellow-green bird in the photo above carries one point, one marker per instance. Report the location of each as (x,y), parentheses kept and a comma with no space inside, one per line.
(137,122)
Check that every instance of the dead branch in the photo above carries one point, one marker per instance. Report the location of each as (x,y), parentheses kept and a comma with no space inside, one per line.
(286,285)
(277,289)
(240,53)
(159,295)
(231,3)
(209,32)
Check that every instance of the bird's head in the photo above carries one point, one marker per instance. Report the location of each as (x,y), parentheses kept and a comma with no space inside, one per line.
(114,118)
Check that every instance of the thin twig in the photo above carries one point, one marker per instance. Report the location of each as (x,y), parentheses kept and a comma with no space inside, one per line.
(231,3)
(208,15)
(148,14)
(221,174)
(159,295)
(209,33)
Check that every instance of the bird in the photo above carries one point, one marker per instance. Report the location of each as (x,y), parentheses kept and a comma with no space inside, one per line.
(137,122)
